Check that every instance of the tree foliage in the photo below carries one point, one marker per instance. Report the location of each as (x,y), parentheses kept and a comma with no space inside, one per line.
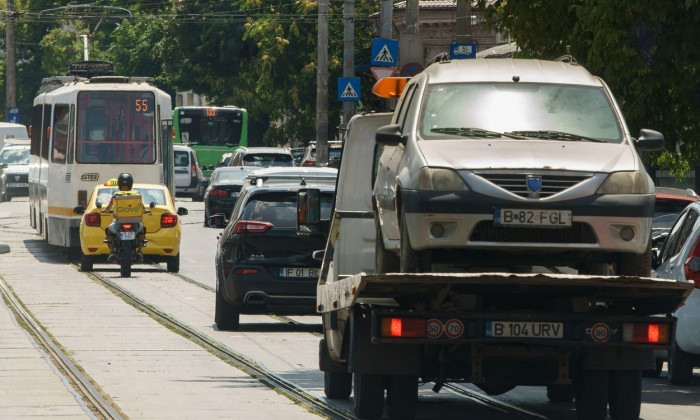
(644,50)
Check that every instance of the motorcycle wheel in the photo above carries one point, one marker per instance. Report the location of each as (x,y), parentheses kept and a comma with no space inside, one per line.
(125,259)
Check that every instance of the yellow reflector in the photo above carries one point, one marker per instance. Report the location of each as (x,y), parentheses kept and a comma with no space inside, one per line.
(389,87)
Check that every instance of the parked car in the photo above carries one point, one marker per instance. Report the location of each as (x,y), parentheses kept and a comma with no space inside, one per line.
(163,229)
(221,194)
(14,159)
(335,150)
(670,202)
(262,264)
(262,157)
(679,259)
(189,178)
(298,154)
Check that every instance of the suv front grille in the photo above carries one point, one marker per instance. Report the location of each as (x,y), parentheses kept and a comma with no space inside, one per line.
(517,183)
(578,233)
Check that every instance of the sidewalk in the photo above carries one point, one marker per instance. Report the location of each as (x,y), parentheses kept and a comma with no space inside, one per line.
(144,368)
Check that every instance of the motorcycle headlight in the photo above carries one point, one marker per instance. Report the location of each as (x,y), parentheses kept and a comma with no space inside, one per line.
(624,183)
(440,179)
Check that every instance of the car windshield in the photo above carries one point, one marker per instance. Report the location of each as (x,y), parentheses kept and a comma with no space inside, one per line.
(268,159)
(522,110)
(15,156)
(148,195)
(280,208)
(237,176)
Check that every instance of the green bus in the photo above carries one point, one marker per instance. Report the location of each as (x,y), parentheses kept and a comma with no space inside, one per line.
(210,131)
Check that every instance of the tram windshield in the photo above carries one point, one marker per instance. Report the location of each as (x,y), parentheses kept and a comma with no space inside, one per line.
(116,127)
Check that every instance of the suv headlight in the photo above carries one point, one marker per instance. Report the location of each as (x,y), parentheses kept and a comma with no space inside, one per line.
(624,183)
(440,179)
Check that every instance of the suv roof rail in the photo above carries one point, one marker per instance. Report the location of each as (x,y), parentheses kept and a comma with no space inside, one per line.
(567,58)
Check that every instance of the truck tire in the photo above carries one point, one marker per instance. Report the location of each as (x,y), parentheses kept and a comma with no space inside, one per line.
(680,366)
(225,315)
(337,385)
(369,395)
(386,261)
(656,372)
(402,397)
(560,393)
(635,264)
(591,390)
(85,262)
(625,398)
(412,261)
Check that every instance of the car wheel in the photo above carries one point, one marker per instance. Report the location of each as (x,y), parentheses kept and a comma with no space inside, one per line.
(410,260)
(85,262)
(635,264)
(174,264)
(680,366)
(560,393)
(385,261)
(369,395)
(591,391)
(402,397)
(225,315)
(625,398)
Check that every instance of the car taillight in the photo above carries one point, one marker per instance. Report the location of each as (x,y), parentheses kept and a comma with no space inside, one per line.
(194,171)
(403,327)
(93,219)
(692,265)
(245,226)
(245,271)
(168,220)
(308,162)
(646,333)
(216,192)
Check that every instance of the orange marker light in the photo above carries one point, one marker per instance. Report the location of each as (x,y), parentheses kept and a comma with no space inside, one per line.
(390,87)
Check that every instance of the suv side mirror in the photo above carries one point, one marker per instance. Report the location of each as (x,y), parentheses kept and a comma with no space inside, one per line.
(649,140)
(308,211)
(389,135)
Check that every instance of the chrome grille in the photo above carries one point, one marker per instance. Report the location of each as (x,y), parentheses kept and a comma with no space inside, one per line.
(517,183)
(578,233)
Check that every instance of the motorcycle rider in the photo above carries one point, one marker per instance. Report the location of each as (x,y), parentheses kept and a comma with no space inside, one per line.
(125,182)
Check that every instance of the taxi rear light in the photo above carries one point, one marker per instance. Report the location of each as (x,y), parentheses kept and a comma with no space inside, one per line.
(245,271)
(403,327)
(92,249)
(646,333)
(216,192)
(93,219)
(246,226)
(168,220)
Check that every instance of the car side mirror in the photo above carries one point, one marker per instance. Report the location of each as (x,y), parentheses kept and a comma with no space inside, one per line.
(308,211)
(181,211)
(98,204)
(79,210)
(649,140)
(655,256)
(389,135)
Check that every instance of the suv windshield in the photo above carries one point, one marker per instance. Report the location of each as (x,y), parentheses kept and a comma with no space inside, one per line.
(524,110)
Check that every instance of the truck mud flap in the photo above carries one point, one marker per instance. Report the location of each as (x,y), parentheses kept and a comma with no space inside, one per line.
(618,358)
(380,359)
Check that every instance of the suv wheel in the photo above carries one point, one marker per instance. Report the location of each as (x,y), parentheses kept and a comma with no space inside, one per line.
(225,315)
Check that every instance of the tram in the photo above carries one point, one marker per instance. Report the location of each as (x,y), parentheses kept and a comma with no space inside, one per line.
(88,127)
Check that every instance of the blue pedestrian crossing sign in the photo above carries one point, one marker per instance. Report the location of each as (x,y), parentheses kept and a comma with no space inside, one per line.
(349,89)
(458,51)
(385,52)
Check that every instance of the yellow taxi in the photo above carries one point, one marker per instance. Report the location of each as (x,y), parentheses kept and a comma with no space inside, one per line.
(163,229)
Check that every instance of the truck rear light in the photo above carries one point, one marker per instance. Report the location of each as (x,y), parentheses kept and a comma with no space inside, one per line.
(93,219)
(216,192)
(692,265)
(245,271)
(168,220)
(403,327)
(246,226)
(646,333)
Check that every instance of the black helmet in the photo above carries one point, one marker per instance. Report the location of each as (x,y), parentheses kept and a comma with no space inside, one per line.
(125,179)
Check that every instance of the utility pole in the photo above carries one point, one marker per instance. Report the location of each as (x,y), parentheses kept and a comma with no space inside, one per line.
(464,22)
(348,54)
(10,60)
(322,79)
(386,30)
(412,27)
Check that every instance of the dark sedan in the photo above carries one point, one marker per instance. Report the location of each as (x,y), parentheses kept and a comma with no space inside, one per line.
(222,193)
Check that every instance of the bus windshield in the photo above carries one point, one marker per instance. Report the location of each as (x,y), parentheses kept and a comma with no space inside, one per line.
(116,127)
(214,126)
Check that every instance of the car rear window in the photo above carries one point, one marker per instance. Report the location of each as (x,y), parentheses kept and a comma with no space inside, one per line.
(280,208)
(181,158)
(148,195)
(268,159)
(236,176)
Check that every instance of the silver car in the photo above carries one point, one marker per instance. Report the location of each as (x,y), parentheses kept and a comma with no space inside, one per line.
(509,164)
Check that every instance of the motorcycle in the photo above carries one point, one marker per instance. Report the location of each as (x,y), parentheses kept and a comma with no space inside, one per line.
(126,228)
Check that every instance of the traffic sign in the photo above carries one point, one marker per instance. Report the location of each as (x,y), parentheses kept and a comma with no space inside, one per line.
(349,89)
(382,72)
(459,51)
(385,52)
(13,115)
(411,69)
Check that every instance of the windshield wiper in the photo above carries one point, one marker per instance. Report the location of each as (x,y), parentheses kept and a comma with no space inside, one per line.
(473,132)
(555,135)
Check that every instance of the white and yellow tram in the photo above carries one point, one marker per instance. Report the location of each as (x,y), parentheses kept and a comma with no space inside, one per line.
(87,130)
